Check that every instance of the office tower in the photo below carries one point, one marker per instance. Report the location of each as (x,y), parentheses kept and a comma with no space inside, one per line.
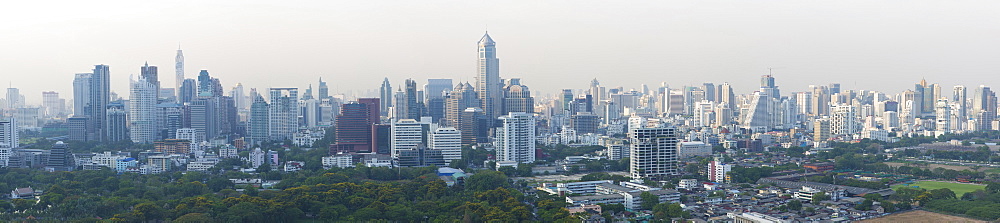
(117,122)
(515,138)
(461,97)
(704,113)
(820,101)
(142,106)
(567,98)
(653,154)
(890,120)
(407,106)
(757,118)
(257,120)
(14,99)
(420,156)
(924,97)
(473,125)
(81,93)
(53,105)
(448,140)
(310,113)
(584,122)
(597,92)
(723,115)
(803,101)
(942,114)
(283,113)
(227,117)
(59,158)
(960,98)
(726,95)
(188,91)
(99,95)
(179,70)
(834,88)
(151,75)
(239,97)
(169,118)
(203,118)
(767,84)
(385,97)
(434,97)
(844,120)
(674,102)
(324,91)
(354,126)
(709,89)
(9,133)
(407,134)
(517,97)
(984,107)
(208,86)
(308,94)
(488,82)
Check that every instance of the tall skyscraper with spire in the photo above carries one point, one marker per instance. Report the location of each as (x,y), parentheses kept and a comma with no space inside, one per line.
(385,97)
(179,69)
(488,82)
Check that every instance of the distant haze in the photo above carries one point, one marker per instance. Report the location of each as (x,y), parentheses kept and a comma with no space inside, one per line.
(880,45)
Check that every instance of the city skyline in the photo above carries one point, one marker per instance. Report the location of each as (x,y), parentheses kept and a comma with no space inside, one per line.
(812,44)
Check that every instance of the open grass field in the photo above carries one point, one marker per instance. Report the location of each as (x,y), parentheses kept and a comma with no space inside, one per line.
(958,188)
(920,216)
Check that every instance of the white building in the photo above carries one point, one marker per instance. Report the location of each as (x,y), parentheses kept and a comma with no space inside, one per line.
(8,133)
(844,120)
(515,140)
(688,184)
(142,110)
(107,159)
(754,217)
(306,138)
(449,141)
(689,149)
(405,134)
(190,135)
(341,161)
(617,151)
(283,112)
(653,154)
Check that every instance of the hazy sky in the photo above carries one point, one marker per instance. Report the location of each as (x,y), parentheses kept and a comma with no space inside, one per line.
(883,45)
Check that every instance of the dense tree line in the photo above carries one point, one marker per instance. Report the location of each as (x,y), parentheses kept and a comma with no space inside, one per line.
(353,194)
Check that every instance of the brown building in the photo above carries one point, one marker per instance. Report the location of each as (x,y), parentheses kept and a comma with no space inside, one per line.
(172,146)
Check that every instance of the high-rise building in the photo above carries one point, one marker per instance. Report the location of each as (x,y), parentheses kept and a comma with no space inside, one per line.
(448,140)
(204,119)
(355,126)
(324,91)
(257,121)
(54,106)
(91,92)
(434,97)
(142,109)
(169,118)
(653,154)
(283,113)
(461,97)
(8,133)
(473,125)
(942,114)
(81,93)
(151,75)
(709,89)
(179,70)
(960,98)
(718,171)
(844,120)
(515,139)
(60,159)
(984,107)
(14,98)
(409,107)
(517,97)
(117,122)
(385,97)
(488,82)
(188,91)
(408,134)
(726,96)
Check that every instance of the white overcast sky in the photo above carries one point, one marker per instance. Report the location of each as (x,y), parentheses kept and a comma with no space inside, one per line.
(880,45)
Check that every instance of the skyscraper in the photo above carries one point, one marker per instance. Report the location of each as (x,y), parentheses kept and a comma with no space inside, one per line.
(410,108)
(257,121)
(385,97)
(448,140)
(53,105)
(151,75)
(517,97)
(188,91)
(461,97)
(179,69)
(14,99)
(488,82)
(324,91)
(283,113)
(100,96)
(142,105)
(117,122)
(407,134)
(515,139)
(434,92)
(984,107)
(653,154)
(355,125)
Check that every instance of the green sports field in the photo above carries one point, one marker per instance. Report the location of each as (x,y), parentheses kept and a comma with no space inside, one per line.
(959,188)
